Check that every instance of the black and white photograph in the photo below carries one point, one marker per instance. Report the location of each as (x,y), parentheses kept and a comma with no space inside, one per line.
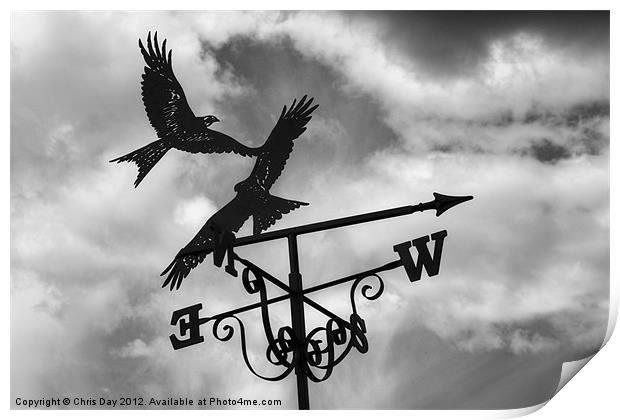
(293,210)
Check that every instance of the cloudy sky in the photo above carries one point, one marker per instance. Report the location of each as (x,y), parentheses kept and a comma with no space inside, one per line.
(510,107)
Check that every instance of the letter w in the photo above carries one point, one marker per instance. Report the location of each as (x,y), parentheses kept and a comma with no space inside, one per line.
(431,264)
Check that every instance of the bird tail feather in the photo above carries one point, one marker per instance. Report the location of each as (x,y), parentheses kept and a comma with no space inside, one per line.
(146,157)
(272,210)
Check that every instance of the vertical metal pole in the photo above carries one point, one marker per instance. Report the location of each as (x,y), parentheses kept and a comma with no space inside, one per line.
(298,324)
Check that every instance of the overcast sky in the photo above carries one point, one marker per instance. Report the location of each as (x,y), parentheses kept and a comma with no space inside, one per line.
(512,108)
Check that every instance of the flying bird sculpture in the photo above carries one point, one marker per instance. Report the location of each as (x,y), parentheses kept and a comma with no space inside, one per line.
(252,199)
(171,116)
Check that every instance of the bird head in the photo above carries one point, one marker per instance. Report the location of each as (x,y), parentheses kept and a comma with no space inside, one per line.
(209,119)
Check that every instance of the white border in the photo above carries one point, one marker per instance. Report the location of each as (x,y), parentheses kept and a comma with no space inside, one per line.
(592,394)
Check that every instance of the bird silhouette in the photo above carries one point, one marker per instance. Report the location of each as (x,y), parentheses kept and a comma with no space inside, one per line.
(252,199)
(171,116)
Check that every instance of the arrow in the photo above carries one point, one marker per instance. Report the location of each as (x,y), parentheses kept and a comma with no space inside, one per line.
(441,204)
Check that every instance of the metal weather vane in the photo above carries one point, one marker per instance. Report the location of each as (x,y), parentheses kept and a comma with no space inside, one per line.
(310,355)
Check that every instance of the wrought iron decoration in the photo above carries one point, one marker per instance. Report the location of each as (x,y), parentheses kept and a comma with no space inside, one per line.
(314,355)
(311,355)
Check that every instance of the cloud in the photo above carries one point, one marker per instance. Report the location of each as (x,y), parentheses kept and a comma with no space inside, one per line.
(194,212)
(520,73)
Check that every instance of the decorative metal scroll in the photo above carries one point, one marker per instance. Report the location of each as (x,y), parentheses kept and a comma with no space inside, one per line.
(324,347)
(336,335)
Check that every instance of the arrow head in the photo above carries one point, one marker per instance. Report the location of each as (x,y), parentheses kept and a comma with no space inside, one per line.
(444,202)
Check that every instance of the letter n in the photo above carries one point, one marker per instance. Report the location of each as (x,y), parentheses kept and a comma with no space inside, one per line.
(430,263)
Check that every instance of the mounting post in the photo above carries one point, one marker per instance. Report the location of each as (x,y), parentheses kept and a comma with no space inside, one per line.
(298,324)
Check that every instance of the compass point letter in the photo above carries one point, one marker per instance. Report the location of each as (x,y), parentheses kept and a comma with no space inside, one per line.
(430,263)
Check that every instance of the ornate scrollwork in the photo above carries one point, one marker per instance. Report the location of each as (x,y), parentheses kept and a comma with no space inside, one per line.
(279,349)
(367,289)
(224,330)
(322,343)
(323,347)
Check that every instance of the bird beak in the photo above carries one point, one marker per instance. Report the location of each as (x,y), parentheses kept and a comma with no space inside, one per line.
(216,119)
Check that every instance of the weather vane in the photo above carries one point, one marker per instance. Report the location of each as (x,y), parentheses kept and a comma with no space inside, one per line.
(310,355)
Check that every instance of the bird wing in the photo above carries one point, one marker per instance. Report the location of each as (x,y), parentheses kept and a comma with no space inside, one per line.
(278,146)
(189,257)
(211,141)
(229,218)
(164,100)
